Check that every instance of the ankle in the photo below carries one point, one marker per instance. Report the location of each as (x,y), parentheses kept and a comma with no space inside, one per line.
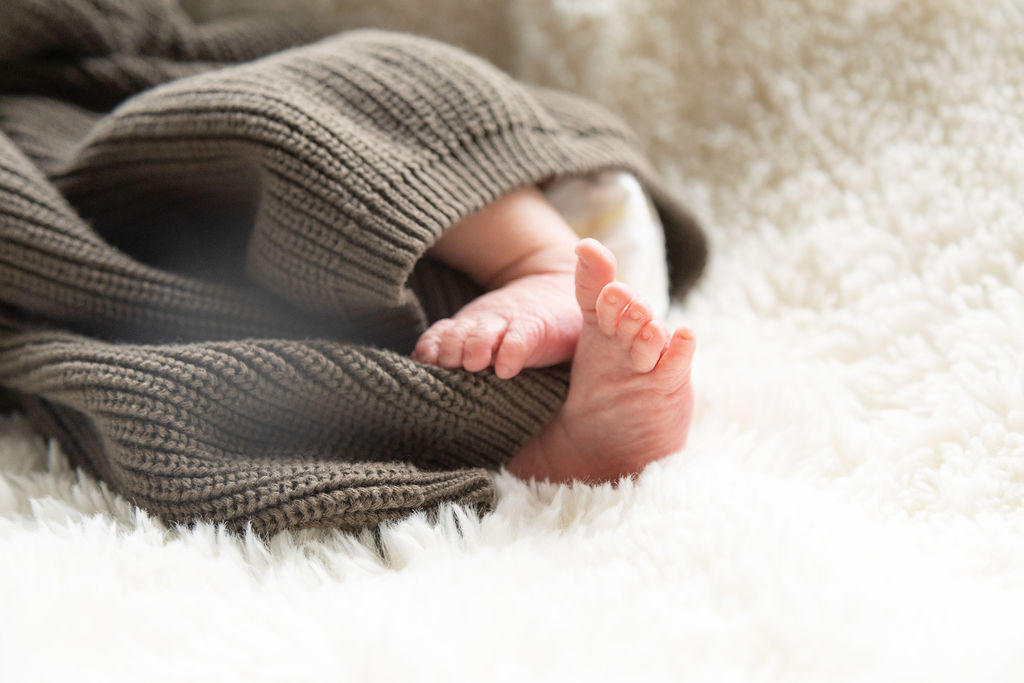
(547,456)
(518,235)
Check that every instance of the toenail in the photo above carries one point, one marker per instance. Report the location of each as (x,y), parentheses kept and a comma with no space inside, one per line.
(611,298)
(636,315)
(645,334)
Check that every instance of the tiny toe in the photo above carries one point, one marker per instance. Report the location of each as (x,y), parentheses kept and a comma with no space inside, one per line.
(429,344)
(611,304)
(675,361)
(633,319)
(482,342)
(648,346)
(452,345)
(425,351)
(511,356)
(595,268)
(520,340)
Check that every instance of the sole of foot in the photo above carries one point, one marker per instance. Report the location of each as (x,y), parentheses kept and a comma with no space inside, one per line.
(630,397)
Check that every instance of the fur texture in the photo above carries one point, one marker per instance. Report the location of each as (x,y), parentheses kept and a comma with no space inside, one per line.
(851,504)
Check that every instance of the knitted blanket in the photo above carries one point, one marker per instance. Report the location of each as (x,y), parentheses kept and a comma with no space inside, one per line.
(850,505)
(212,266)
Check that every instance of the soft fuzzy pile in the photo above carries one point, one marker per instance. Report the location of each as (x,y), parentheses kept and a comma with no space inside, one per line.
(851,504)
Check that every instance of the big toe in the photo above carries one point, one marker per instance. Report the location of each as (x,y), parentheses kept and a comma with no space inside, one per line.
(595,268)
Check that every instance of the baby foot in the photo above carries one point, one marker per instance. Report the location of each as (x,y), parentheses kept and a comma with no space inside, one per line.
(533,321)
(630,397)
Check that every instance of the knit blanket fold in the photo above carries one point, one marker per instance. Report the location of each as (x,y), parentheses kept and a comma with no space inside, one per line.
(213,263)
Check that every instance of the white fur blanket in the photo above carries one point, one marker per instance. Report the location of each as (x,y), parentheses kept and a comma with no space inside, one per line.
(851,504)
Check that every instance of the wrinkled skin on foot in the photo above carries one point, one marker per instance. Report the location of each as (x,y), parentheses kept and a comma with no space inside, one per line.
(630,397)
(533,321)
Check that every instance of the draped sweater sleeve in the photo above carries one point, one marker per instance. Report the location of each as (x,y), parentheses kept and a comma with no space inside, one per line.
(281,397)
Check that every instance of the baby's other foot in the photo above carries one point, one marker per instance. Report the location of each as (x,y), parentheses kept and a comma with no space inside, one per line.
(630,397)
(532,321)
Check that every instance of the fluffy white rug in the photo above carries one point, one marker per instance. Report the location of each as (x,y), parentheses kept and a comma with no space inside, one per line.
(851,505)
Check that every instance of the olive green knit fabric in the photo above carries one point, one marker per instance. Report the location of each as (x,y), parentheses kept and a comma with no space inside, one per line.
(212,262)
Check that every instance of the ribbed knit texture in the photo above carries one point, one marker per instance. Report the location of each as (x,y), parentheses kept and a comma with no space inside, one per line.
(209,292)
